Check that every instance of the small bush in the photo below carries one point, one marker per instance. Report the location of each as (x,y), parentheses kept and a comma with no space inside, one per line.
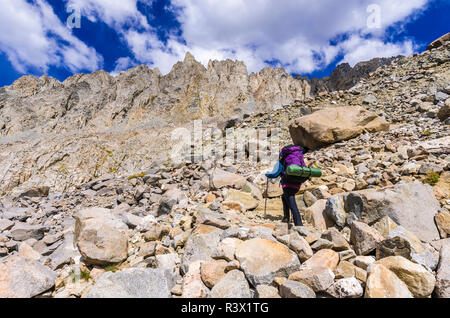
(111,268)
(432,178)
(143,174)
(85,275)
(426,133)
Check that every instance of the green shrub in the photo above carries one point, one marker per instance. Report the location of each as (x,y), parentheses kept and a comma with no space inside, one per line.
(143,174)
(432,178)
(85,275)
(111,268)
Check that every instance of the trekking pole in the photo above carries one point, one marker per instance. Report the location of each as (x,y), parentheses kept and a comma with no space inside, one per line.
(267,195)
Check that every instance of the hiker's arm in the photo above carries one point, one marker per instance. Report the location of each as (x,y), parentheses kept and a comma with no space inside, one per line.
(277,169)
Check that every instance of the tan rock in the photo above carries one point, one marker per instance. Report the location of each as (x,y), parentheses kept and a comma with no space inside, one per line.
(274,209)
(332,125)
(315,215)
(299,245)
(346,269)
(221,179)
(364,238)
(382,283)
(266,291)
(443,273)
(209,198)
(101,244)
(193,286)
(325,258)
(213,272)
(419,281)
(262,260)
(245,198)
(226,249)
(443,223)
(28,252)
(338,240)
(233,285)
(319,278)
(442,188)
(385,225)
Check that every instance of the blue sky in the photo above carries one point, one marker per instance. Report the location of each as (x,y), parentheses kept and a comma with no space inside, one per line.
(303,36)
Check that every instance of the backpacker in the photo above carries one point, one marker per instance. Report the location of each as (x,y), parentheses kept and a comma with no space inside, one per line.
(290,156)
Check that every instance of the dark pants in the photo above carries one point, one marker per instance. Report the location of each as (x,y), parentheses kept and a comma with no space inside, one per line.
(290,204)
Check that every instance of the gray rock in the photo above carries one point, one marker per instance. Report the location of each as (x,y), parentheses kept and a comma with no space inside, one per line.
(443,273)
(200,246)
(411,205)
(134,283)
(207,217)
(14,213)
(5,225)
(263,260)
(266,291)
(64,254)
(421,253)
(293,289)
(233,285)
(334,210)
(169,200)
(441,96)
(24,278)
(23,231)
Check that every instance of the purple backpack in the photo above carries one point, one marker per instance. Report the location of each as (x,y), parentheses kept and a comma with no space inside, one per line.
(292,155)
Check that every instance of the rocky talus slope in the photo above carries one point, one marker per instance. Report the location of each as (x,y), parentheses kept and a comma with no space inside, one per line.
(376,224)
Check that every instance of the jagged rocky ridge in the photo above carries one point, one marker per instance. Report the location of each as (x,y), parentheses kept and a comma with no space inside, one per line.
(345,77)
(374,225)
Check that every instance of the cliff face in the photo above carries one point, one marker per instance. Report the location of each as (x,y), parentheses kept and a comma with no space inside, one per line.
(142,96)
(64,134)
(345,77)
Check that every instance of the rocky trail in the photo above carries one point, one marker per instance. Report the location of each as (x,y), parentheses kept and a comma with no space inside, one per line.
(376,224)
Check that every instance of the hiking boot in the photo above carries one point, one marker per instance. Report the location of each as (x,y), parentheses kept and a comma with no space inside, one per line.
(285,220)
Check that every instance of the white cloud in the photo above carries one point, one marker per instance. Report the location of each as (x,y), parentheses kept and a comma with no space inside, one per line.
(122,64)
(115,13)
(33,37)
(362,50)
(295,32)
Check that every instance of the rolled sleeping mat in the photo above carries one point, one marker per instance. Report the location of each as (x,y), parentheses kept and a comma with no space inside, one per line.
(304,172)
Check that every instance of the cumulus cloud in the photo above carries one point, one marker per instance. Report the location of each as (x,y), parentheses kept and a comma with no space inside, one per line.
(33,37)
(115,13)
(296,33)
(122,64)
(359,49)
(301,35)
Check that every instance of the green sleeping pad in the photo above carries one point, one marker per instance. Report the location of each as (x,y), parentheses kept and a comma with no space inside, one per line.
(303,172)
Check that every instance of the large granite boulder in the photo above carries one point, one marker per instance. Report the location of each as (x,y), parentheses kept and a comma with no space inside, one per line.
(134,283)
(334,124)
(24,278)
(263,260)
(100,237)
(200,245)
